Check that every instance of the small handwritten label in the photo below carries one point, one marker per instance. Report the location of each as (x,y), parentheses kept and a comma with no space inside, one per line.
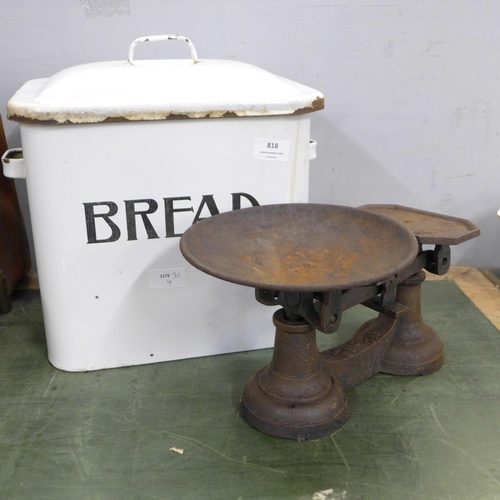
(271,149)
(167,278)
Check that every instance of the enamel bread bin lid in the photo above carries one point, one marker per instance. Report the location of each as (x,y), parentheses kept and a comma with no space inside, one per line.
(135,90)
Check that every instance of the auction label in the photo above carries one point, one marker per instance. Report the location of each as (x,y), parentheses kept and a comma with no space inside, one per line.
(167,278)
(271,149)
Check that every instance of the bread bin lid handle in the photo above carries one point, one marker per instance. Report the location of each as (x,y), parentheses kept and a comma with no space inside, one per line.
(161,38)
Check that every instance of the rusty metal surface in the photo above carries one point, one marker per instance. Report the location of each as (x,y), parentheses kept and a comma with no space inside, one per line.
(428,227)
(361,357)
(294,398)
(299,247)
(316,261)
(399,346)
(416,348)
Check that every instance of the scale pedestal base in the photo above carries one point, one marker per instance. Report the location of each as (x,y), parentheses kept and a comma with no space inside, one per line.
(293,397)
(416,348)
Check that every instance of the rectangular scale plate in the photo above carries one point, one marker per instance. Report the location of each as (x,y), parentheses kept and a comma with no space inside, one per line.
(428,227)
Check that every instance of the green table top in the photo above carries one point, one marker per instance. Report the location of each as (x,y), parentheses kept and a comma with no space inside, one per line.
(118,434)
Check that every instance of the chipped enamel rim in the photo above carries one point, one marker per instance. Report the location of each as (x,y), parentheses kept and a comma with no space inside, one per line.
(159,90)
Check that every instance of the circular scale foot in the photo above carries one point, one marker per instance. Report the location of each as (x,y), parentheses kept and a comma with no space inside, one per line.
(294,398)
(416,348)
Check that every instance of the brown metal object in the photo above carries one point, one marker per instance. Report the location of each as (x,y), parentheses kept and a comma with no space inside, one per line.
(416,348)
(428,227)
(317,261)
(14,250)
(409,346)
(402,345)
(299,247)
(293,397)
(361,357)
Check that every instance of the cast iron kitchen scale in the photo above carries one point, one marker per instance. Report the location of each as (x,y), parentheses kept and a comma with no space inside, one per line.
(316,261)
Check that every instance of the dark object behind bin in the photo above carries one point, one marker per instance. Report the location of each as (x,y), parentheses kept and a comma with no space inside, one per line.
(15,260)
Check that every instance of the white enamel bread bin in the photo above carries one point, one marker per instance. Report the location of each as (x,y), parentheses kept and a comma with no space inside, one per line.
(120,158)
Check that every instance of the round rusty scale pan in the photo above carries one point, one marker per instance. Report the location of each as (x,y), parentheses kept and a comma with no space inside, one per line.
(299,247)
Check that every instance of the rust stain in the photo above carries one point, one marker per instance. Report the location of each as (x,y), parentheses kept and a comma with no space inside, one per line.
(317,105)
(28,116)
(428,227)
